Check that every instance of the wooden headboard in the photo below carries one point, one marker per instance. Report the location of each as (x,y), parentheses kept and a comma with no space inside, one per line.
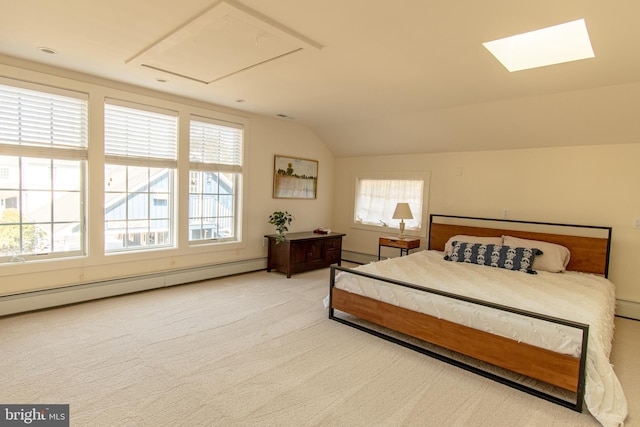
(588,254)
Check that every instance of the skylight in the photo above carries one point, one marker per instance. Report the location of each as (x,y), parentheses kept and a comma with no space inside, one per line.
(552,45)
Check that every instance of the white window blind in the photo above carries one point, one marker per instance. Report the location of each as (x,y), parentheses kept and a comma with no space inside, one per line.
(376,194)
(44,121)
(376,201)
(215,145)
(135,136)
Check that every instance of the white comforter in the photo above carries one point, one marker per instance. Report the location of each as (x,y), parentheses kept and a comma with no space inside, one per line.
(580,297)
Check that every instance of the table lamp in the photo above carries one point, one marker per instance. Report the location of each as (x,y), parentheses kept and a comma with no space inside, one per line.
(402,212)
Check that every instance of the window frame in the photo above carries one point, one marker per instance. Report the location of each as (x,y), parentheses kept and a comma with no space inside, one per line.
(165,161)
(225,165)
(425,176)
(183,256)
(56,150)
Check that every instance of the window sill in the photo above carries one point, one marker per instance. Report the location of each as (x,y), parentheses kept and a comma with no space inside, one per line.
(413,232)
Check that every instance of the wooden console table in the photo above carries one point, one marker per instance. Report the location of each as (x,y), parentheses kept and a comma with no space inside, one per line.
(304,251)
(395,242)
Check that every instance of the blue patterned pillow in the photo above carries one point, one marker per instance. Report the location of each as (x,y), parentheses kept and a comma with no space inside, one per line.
(518,259)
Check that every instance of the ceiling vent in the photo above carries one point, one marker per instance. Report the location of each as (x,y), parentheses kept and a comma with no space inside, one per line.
(220,42)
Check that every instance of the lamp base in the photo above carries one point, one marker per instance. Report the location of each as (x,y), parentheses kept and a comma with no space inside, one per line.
(401,235)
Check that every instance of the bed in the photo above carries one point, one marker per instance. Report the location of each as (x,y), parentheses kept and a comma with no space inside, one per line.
(547,333)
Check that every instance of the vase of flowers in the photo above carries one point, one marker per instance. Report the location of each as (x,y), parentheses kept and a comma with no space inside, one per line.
(282,220)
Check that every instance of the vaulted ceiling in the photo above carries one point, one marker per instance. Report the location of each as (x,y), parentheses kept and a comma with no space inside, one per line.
(369,77)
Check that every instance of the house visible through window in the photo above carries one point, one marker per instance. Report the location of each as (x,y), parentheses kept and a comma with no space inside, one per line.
(376,198)
(43,140)
(215,159)
(141,160)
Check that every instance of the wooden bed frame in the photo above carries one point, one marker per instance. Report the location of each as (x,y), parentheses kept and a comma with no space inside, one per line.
(588,254)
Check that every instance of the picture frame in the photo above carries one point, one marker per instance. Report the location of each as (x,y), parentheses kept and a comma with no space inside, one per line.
(294,178)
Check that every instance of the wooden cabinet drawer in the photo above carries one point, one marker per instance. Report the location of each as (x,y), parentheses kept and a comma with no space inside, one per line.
(333,256)
(330,244)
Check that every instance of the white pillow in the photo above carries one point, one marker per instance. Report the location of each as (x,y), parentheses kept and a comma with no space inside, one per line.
(554,257)
(448,247)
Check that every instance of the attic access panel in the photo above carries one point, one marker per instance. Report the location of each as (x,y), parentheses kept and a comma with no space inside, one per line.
(222,41)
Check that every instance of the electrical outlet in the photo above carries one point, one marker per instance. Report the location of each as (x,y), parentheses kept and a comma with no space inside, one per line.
(505,213)
(636,223)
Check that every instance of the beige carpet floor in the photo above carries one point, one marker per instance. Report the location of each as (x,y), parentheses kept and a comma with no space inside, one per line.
(256,349)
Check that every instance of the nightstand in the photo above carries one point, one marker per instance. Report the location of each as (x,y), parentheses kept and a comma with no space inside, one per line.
(395,242)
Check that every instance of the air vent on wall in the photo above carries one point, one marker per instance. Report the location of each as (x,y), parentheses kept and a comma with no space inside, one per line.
(222,41)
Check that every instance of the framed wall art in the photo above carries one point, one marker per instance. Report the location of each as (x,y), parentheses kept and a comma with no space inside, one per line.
(294,178)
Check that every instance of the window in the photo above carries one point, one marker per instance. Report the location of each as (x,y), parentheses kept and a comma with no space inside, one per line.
(215,162)
(140,164)
(43,139)
(376,197)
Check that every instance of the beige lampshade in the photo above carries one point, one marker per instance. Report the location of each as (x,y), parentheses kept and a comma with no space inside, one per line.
(403,211)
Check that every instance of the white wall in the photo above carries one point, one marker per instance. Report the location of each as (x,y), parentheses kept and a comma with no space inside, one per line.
(593,185)
(285,138)
(265,137)
(587,185)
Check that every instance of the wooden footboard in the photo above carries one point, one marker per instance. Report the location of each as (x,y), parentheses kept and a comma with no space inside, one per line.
(553,368)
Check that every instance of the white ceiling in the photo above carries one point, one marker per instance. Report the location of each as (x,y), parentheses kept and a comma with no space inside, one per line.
(370,76)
